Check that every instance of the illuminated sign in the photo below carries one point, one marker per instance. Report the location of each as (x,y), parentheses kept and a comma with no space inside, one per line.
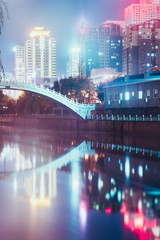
(39,32)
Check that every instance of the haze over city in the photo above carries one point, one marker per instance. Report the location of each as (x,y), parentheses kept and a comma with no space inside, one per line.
(80,120)
(63,18)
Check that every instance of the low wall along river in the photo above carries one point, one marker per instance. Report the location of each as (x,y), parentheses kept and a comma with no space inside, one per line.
(72,124)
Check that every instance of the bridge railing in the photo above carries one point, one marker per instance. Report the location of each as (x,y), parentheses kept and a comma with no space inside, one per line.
(81,109)
(35,86)
(135,118)
(98,118)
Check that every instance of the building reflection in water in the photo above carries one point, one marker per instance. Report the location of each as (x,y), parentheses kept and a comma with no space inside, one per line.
(104,177)
(41,193)
(40,189)
(118,182)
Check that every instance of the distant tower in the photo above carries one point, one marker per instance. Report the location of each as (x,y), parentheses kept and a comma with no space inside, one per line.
(101,47)
(145,11)
(40,57)
(74,62)
(19,63)
(141,46)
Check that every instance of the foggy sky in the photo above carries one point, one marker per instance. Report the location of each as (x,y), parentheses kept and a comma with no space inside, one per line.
(61,17)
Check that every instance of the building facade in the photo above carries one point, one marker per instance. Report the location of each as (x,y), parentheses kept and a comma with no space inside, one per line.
(145,11)
(141,46)
(107,50)
(73,66)
(135,91)
(40,57)
(19,63)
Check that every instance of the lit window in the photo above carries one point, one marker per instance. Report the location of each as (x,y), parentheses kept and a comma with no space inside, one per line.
(140,94)
(121,96)
(155,93)
(132,94)
(127,96)
(100,53)
(148,93)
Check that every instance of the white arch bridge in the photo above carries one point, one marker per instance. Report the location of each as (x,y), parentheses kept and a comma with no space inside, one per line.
(82,110)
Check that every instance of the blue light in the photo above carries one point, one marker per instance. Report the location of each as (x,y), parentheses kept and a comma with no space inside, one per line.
(133,171)
(112,193)
(107,196)
(127,167)
(140,171)
(119,196)
(156,201)
(148,204)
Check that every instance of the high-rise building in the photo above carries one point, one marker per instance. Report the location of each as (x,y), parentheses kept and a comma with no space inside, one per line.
(145,11)
(19,63)
(92,56)
(73,66)
(141,47)
(107,50)
(40,57)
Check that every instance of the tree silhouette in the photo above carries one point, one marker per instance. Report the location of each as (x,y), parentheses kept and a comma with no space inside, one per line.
(3,13)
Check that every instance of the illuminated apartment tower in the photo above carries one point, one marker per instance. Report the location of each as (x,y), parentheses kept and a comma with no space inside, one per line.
(41,57)
(145,11)
(19,63)
(73,64)
(141,47)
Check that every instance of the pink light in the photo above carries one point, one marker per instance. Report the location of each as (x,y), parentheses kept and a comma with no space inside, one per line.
(123,209)
(83,213)
(108,210)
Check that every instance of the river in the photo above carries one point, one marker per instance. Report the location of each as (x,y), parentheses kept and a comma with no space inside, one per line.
(68,185)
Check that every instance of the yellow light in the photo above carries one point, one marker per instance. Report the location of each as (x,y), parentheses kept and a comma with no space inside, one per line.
(86,156)
(38,28)
(39,32)
(37,202)
(96,156)
(18,94)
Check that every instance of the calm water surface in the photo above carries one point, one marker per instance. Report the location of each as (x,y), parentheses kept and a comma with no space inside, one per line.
(56,185)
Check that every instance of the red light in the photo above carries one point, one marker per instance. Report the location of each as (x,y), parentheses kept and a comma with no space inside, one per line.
(108,210)
(123,209)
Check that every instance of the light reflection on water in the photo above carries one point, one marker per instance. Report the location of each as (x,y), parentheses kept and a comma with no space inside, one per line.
(83,186)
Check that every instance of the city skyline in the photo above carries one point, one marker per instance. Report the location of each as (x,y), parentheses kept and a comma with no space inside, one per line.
(63,19)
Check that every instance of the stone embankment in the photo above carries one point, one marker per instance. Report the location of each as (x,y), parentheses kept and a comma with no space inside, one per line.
(71,124)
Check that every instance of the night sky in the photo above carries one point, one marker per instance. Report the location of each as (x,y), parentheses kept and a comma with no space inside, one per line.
(61,17)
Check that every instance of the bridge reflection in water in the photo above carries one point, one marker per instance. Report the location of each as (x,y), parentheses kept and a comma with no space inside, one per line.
(119,180)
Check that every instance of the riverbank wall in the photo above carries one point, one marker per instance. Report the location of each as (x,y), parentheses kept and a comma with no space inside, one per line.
(72,124)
